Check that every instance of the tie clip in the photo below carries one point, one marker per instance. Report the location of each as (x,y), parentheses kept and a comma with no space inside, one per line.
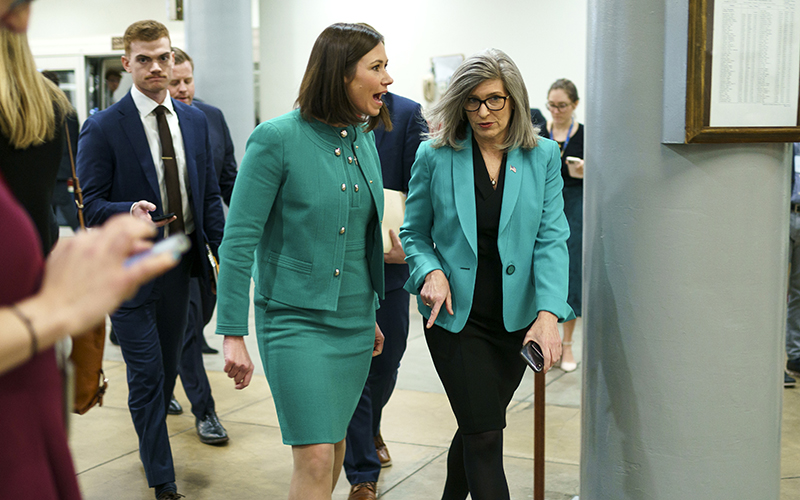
(167,158)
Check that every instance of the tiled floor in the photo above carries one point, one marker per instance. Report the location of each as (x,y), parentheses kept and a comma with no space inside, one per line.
(418,425)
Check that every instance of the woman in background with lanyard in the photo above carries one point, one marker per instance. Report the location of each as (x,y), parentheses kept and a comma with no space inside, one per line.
(562,99)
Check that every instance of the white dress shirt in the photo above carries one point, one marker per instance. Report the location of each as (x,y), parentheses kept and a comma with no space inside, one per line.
(146,107)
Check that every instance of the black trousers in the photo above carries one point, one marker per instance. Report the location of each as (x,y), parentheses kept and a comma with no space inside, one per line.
(480,368)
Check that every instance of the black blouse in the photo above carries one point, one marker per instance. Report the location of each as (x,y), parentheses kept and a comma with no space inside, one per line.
(574,148)
(31,176)
(487,301)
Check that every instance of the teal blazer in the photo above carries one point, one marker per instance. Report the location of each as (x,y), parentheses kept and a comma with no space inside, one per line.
(440,232)
(287,211)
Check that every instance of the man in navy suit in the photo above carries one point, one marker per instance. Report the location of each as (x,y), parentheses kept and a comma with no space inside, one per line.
(366,452)
(182,88)
(148,155)
(202,299)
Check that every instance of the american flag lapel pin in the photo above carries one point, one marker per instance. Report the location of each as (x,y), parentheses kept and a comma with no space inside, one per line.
(513,169)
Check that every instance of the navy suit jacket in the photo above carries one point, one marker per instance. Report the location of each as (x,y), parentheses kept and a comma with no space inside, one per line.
(116,170)
(397,150)
(221,148)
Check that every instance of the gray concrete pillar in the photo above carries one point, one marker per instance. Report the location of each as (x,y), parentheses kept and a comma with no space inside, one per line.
(685,255)
(219,38)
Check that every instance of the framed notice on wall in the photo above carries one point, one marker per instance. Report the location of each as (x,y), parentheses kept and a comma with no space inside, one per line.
(743,72)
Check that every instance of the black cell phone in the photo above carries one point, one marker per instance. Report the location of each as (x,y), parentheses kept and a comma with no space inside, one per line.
(157,218)
(532,354)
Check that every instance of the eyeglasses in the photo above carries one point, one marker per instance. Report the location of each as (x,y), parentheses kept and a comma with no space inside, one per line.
(561,106)
(493,103)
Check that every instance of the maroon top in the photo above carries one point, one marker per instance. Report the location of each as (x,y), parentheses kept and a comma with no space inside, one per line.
(34,457)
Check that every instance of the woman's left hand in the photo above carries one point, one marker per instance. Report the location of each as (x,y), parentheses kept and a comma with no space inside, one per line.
(544,332)
(378,341)
(575,167)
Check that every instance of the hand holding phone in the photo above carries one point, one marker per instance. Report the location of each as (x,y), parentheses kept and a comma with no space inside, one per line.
(575,167)
(159,218)
(178,244)
(532,354)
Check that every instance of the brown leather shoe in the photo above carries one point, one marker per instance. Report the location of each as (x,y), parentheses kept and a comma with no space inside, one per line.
(383,451)
(363,491)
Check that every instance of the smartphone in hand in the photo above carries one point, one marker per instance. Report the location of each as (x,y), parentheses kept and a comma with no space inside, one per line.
(574,167)
(177,244)
(159,218)
(532,354)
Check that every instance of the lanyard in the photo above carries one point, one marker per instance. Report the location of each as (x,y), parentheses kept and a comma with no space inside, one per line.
(569,136)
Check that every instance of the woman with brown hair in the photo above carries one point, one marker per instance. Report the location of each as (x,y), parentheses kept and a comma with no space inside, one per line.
(562,99)
(306,209)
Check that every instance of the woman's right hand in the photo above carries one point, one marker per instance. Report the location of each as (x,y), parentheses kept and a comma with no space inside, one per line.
(85,278)
(89,275)
(435,292)
(237,361)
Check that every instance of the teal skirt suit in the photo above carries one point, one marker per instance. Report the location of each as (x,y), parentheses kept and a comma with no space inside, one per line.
(304,224)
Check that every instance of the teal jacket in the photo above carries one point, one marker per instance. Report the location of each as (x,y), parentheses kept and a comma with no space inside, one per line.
(440,232)
(287,210)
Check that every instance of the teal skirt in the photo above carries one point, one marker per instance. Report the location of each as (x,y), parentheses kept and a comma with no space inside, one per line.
(317,362)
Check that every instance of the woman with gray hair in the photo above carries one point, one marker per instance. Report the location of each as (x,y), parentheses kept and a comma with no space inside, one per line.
(485,237)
